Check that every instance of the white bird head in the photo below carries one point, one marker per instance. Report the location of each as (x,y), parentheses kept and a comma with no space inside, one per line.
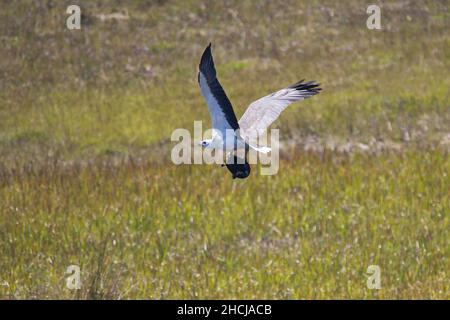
(205,143)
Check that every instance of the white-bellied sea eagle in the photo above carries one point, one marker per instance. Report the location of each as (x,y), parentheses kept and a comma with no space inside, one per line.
(258,117)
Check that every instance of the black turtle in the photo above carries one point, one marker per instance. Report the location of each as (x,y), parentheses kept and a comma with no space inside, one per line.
(238,167)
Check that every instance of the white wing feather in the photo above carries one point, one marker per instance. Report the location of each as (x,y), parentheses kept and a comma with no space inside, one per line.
(261,113)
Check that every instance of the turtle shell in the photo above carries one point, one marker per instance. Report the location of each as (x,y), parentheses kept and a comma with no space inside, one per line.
(238,167)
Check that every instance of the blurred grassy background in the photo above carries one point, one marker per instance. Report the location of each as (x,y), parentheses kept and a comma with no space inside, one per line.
(85,171)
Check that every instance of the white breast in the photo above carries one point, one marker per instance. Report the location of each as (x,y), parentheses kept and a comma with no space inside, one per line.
(228,142)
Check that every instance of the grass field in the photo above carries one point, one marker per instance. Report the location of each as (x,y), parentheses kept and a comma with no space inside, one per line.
(86,177)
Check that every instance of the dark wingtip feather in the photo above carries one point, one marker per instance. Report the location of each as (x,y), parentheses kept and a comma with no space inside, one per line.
(311,87)
(206,66)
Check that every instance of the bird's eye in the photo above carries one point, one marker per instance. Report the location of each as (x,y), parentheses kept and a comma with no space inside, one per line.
(204,143)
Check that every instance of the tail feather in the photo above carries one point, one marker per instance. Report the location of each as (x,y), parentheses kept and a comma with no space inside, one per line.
(261,149)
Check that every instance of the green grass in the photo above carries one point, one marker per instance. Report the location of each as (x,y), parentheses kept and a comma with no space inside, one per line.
(309,232)
(86,177)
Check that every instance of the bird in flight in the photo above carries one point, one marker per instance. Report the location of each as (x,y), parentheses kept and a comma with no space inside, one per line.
(256,119)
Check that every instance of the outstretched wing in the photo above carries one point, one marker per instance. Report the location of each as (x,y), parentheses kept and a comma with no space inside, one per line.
(220,109)
(261,113)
